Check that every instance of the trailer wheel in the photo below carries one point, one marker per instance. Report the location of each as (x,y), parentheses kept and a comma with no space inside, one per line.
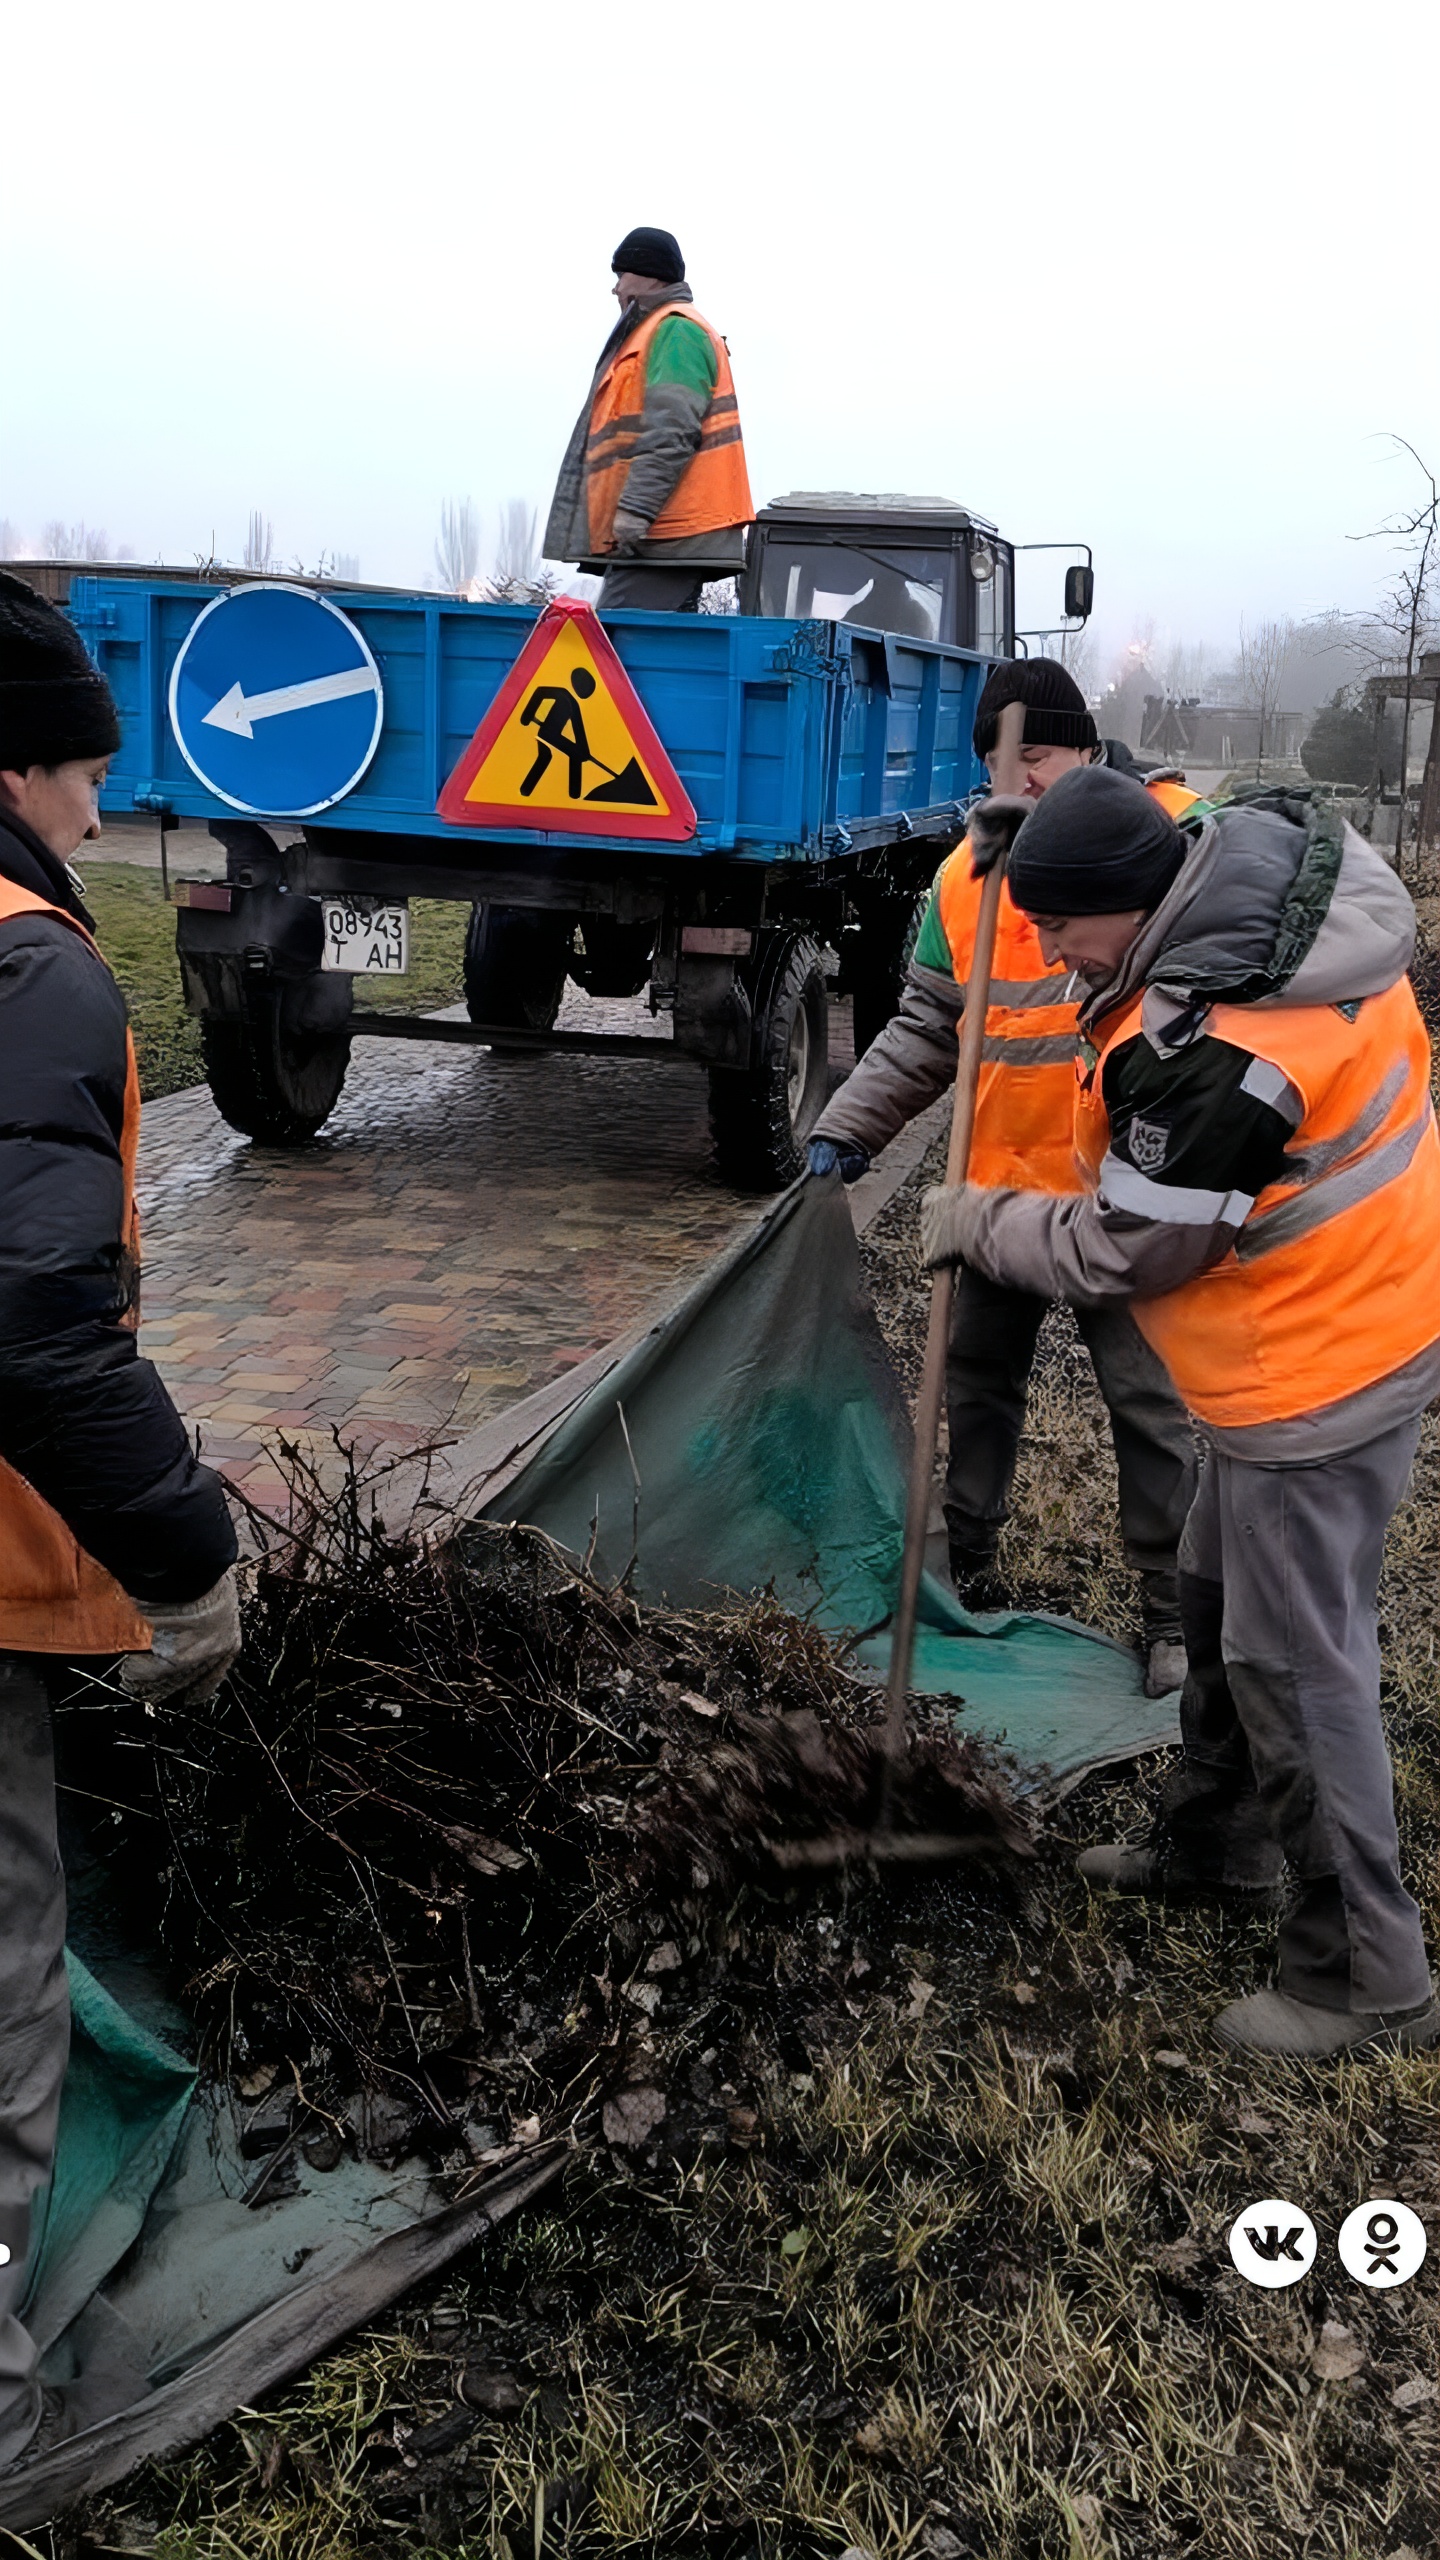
(515,965)
(275,1085)
(760,1116)
(884,944)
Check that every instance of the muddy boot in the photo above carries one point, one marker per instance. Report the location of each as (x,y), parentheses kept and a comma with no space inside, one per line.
(1208,1843)
(977,1585)
(1276,2022)
(1165,1667)
(1144,1868)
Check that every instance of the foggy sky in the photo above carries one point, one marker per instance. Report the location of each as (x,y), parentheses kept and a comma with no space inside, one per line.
(1159,280)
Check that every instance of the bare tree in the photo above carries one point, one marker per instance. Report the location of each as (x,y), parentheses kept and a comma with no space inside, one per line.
(1188,668)
(1078,655)
(259,540)
(61,541)
(346,568)
(517,556)
(1264,650)
(1406,613)
(457,550)
(11,545)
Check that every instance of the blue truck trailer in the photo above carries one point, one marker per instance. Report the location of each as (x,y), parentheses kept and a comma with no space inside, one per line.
(730,811)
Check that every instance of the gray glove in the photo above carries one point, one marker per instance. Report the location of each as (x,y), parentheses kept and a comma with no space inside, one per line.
(842,1156)
(992,827)
(193,1645)
(945,1219)
(628,532)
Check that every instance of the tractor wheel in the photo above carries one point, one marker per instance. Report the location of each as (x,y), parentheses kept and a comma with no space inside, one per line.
(515,965)
(760,1116)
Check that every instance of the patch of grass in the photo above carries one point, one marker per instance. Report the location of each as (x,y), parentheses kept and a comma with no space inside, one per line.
(136,931)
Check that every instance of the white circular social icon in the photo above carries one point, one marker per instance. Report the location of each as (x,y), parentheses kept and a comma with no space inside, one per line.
(1381,2243)
(1273,2243)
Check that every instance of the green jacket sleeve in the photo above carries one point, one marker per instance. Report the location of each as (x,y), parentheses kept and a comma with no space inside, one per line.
(680,376)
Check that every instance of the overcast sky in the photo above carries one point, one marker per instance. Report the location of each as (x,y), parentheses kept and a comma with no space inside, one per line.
(1160,279)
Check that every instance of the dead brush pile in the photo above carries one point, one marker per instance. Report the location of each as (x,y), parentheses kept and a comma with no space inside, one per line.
(455,1797)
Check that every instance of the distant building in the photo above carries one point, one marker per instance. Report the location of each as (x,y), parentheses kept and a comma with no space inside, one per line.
(1217,734)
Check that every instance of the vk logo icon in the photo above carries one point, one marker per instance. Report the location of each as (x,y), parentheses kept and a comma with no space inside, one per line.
(1273,2243)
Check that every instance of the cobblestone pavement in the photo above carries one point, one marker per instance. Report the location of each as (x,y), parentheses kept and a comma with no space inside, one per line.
(465,1228)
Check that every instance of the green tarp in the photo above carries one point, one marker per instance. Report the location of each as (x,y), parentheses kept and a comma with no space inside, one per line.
(756,1439)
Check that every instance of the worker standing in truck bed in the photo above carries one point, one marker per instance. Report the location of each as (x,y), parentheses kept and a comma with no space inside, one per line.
(1024,1135)
(1262,1183)
(653,492)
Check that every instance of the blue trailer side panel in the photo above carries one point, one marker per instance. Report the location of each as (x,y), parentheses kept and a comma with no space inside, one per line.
(789,737)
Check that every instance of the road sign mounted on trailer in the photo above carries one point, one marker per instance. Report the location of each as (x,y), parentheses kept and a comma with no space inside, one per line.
(567,745)
(276,701)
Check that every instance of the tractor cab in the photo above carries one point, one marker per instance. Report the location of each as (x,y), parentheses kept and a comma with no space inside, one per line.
(926,568)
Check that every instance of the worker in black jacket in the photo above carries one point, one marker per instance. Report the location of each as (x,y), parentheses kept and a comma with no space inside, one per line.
(113,1540)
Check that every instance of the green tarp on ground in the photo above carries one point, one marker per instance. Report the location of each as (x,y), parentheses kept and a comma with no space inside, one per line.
(757,1439)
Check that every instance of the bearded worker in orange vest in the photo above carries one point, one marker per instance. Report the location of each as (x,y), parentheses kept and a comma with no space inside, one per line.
(112,1539)
(653,493)
(1024,1136)
(1262,1186)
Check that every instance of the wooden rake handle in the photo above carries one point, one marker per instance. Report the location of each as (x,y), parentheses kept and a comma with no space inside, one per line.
(942,1297)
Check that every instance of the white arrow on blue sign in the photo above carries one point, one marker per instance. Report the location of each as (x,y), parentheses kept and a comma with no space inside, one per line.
(276,701)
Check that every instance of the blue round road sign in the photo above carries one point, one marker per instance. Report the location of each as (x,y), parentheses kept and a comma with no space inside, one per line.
(276,701)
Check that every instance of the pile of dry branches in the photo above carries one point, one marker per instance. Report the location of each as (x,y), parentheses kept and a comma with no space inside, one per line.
(456,1795)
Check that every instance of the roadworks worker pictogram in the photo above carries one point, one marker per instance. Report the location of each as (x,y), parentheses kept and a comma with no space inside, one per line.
(567,744)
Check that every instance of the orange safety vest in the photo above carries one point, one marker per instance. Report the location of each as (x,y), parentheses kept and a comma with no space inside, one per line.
(1333,1281)
(1024,1138)
(54,1598)
(713,490)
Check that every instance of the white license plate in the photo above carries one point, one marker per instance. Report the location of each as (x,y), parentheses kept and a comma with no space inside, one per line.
(365,939)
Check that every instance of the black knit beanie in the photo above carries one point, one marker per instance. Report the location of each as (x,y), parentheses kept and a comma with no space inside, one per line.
(1055,713)
(55,705)
(1095,845)
(650,253)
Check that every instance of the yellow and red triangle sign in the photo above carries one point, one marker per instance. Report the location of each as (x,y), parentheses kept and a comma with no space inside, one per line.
(567,746)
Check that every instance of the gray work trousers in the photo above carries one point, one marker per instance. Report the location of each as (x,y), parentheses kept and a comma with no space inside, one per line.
(34,2012)
(1280,1716)
(632,582)
(992,1351)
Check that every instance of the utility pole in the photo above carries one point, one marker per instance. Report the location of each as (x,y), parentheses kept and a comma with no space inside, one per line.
(1428,830)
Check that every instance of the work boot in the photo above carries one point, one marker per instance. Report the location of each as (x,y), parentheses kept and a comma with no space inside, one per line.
(1165,1667)
(1276,2022)
(977,1585)
(1142,1868)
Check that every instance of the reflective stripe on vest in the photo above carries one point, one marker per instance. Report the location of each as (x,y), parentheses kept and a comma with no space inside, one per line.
(54,1598)
(713,491)
(1333,1281)
(1025,1097)
(1025,1104)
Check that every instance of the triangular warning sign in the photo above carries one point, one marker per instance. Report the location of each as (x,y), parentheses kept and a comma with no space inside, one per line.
(566,745)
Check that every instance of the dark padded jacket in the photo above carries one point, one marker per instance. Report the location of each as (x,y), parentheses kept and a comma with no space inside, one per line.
(82,1416)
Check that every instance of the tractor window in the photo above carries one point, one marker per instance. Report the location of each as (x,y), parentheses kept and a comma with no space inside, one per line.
(892,590)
